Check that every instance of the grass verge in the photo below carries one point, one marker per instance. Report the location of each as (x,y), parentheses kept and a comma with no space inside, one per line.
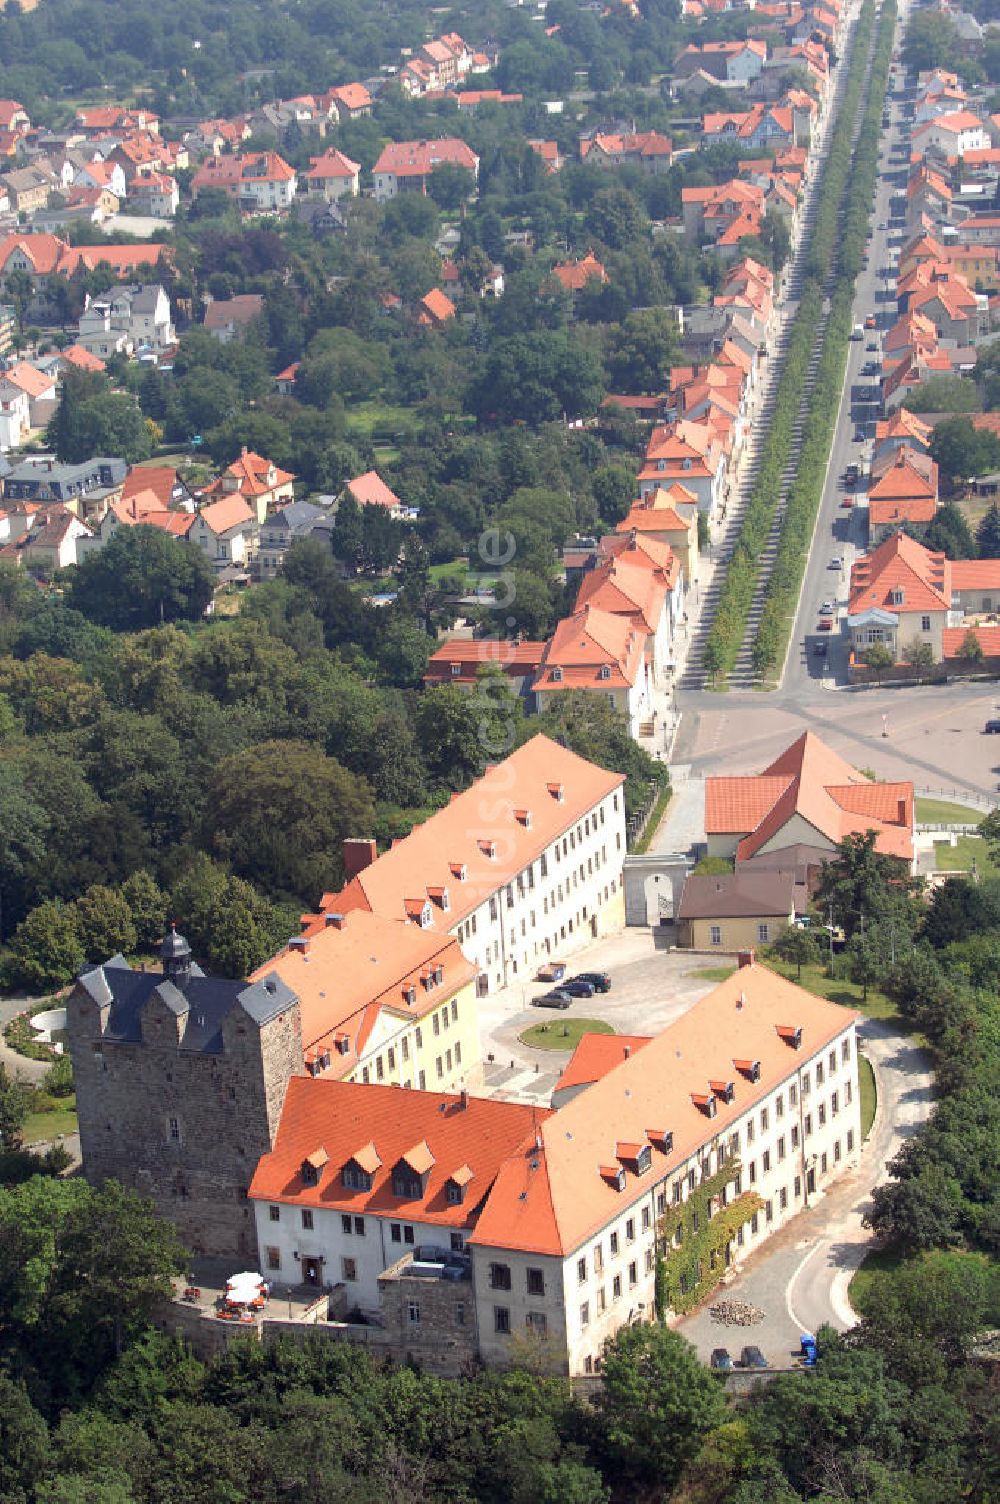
(41,1127)
(563,1033)
(868,1094)
(944,812)
(960,857)
(814,979)
(712,973)
(654,822)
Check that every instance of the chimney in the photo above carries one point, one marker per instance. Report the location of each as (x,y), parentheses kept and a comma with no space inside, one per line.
(745,958)
(463,1098)
(628,1052)
(902,811)
(359,853)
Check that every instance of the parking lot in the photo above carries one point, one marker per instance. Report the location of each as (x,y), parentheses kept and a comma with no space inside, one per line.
(650,986)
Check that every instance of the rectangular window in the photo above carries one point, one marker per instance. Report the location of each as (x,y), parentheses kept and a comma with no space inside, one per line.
(359,1227)
(349,1269)
(602,1301)
(783,1199)
(763,934)
(845,1050)
(925,624)
(769,1210)
(850,1140)
(715,934)
(820,1075)
(537,1322)
(345,1224)
(613,1240)
(848,1093)
(836,1152)
(781,1147)
(797,1187)
(274,1258)
(581,1270)
(307,1219)
(822,1114)
(779,1106)
(822,1164)
(616,1287)
(795,1137)
(585,1313)
(275,1213)
(832,1062)
(598,1258)
(835,1104)
(750,1131)
(630,1230)
(650,1260)
(436,1021)
(633,1275)
(645,1219)
(808,1124)
(535,1281)
(499,1276)
(407,1234)
(460,1314)
(501,1320)
(793,1095)
(764,1120)
(753,1172)
(395,1232)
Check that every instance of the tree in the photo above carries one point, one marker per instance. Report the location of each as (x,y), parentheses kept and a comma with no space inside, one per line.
(950,534)
(15,1104)
(148,907)
(451,186)
(962,451)
(989,829)
(878,658)
(918,654)
(45,951)
(656,1402)
(280,812)
(971,649)
(104,923)
(944,394)
(930,41)
(459,733)
(24,1441)
(918,1212)
(937,1303)
(23,828)
(988,534)
(861,884)
(615,216)
(91,419)
(613,486)
(141,578)
(797,947)
(641,352)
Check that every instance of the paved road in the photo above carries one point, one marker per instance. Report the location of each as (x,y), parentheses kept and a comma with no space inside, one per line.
(19,1065)
(800,1276)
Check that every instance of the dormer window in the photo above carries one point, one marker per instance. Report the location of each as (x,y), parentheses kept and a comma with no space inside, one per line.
(427,980)
(341,1044)
(410,994)
(661,1138)
(440,896)
(556,790)
(791,1035)
(705,1102)
(604,671)
(312,1166)
(748,1068)
(557,674)
(459,871)
(488,848)
(455,1186)
(523,817)
(614,1175)
(355,1179)
(723,1089)
(896,597)
(643,1160)
(438,975)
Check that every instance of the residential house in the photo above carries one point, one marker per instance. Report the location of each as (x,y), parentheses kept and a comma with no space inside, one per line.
(668,516)
(734,911)
(637,583)
(709,212)
(227,531)
(901,593)
(129,319)
(143,508)
(550,153)
(763,125)
(28,188)
(333,176)
(40,388)
(15,415)
(435,309)
(49,543)
(903,490)
(406,166)
(688,454)
(460,661)
(227,318)
(98,121)
(352,101)
(729,62)
(523,866)
(808,796)
(370,490)
(574,276)
(258,480)
(954,134)
(279,530)
(902,430)
(156,195)
(650,150)
(261,182)
(45,479)
(603,653)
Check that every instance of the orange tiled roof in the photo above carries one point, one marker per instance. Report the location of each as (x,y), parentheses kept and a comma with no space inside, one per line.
(553,1197)
(595,1055)
(227,512)
(574,275)
(912,474)
(83,360)
(591,649)
(445,1133)
(808,780)
(370,490)
(900,563)
(438,306)
(251,471)
(456,835)
(975,574)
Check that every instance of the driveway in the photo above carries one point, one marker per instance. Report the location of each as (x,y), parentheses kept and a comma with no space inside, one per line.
(20,1065)
(800,1277)
(650,987)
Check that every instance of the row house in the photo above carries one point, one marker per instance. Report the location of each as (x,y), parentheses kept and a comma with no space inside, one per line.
(903,490)
(760,126)
(462,661)
(691,455)
(668,516)
(600,652)
(436,1215)
(709,211)
(523,866)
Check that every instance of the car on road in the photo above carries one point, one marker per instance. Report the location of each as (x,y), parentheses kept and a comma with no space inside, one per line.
(826,609)
(836,562)
(870,320)
(599,980)
(992,727)
(578,987)
(872,344)
(552,971)
(752,1357)
(557,998)
(720,1360)
(859,436)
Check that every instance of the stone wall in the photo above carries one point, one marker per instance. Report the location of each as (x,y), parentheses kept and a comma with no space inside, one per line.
(185,1128)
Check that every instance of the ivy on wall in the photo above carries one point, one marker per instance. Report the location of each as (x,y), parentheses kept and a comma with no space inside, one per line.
(685,1274)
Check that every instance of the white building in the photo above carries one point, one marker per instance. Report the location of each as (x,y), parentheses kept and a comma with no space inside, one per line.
(15,415)
(126,318)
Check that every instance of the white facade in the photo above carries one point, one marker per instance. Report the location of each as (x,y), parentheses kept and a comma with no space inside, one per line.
(15,415)
(566,896)
(268,195)
(790,1144)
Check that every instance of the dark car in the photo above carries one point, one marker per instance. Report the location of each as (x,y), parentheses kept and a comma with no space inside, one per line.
(578,987)
(557,998)
(752,1357)
(992,728)
(720,1360)
(599,980)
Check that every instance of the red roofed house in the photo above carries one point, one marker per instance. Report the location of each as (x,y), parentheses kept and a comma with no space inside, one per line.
(370,490)
(262,182)
(435,309)
(333,176)
(226,318)
(228,532)
(900,593)
(406,166)
(601,652)
(352,101)
(460,660)
(257,480)
(809,796)
(904,489)
(647,149)
(575,275)
(669,516)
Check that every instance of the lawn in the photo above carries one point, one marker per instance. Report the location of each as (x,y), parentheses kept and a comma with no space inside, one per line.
(712,973)
(380,420)
(959,858)
(563,1033)
(814,979)
(868,1094)
(41,1127)
(943,812)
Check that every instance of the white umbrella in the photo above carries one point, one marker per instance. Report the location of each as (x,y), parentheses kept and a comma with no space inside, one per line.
(243,1289)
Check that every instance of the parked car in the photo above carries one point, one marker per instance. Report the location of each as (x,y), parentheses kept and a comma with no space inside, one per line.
(872,344)
(599,980)
(578,987)
(557,998)
(847,502)
(859,436)
(552,971)
(870,320)
(836,562)
(752,1357)
(992,727)
(720,1360)
(826,609)
(825,624)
